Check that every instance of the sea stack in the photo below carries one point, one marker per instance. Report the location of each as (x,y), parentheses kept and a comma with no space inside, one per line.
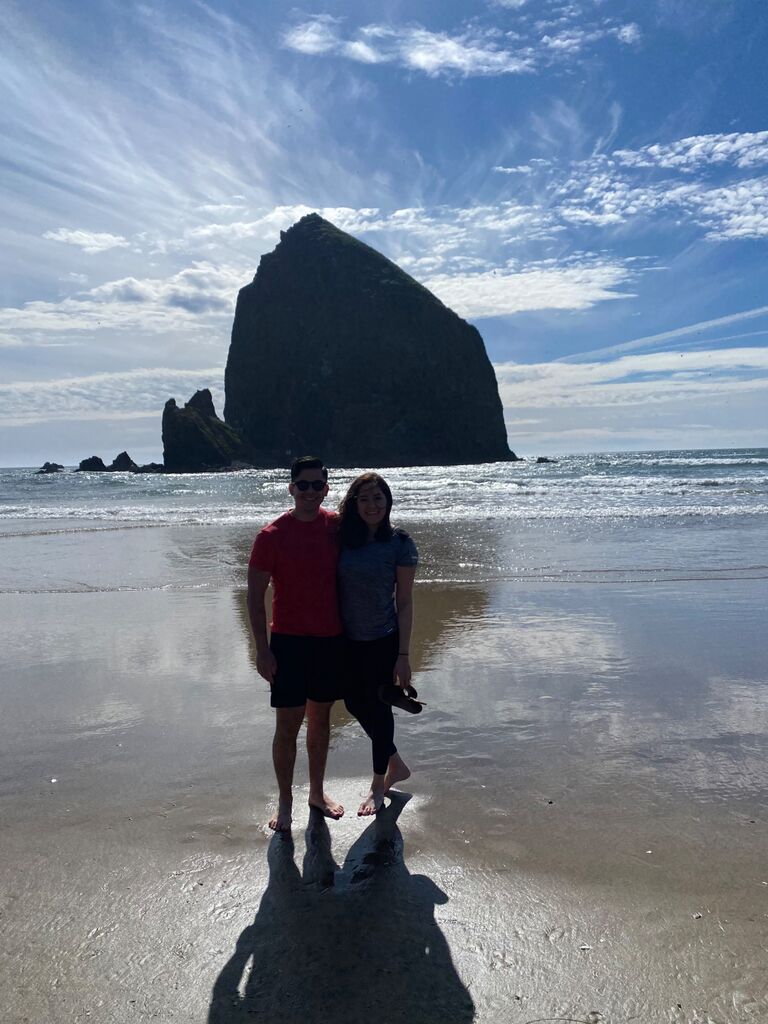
(336,350)
(195,440)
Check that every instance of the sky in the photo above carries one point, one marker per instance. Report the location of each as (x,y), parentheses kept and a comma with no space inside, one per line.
(586,182)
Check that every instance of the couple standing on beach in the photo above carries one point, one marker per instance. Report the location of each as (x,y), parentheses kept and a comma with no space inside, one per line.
(342,613)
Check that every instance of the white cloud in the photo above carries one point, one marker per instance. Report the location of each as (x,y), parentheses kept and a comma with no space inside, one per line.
(436,53)
(186,300)
(570,41)
(741,149)
(104,396)
(318,35)
(597,194)
(363,52)
(734,211)
(522,169)
(471,51)
(651,378)
(495,293)
(629,34)
(90,242)
(197,289)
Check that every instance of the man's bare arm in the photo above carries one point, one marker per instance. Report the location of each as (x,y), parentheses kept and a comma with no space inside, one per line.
(258,582)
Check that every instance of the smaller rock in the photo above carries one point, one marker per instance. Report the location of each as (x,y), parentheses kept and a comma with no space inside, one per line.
(123,463)
(543,458)
(92,465)
(150,467)
(50,467)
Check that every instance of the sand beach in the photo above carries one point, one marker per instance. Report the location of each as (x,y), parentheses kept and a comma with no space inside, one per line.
(583,837)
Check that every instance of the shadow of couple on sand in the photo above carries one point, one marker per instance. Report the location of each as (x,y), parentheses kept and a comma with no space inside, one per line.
(346,945)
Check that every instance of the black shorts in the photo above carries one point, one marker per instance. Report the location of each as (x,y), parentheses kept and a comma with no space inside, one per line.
(308,668)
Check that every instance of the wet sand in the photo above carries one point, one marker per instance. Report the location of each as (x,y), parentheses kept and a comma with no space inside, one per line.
(584,835)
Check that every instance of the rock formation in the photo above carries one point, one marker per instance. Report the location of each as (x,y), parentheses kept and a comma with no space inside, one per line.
(123,463)
(195,439)
(49,467)
(92,465)
(336,350)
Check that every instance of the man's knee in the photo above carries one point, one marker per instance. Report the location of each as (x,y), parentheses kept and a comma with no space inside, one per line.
(288,722)
(318,714)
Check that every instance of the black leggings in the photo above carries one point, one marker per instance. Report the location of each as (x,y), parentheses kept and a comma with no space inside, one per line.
(371,663)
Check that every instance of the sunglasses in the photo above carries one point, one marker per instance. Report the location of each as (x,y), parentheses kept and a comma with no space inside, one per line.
(304,485)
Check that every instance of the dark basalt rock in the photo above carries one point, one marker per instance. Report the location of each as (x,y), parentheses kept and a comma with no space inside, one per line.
(336,350)
(195,440)
(150,467)
(543,458)
(49,467)
(92,465)
(123,463)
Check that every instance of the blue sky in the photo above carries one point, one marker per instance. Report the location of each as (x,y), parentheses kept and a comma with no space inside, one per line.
(586,182)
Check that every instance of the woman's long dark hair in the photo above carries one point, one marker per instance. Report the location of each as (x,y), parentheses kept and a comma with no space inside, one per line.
(353,532)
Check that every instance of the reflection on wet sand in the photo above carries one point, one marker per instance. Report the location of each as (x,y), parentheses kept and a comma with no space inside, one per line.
(440,610)
(345,945)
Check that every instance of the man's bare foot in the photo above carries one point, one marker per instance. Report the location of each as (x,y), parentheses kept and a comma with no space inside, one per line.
(397,771)
(372,803)
(281,822)
(327,806)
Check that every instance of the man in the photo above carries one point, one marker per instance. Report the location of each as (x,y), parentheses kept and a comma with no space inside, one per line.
(302,660)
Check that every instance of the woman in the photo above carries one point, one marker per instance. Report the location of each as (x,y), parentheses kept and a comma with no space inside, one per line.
(377,565)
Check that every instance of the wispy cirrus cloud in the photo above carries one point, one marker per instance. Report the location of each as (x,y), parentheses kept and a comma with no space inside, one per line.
(453,250)
(652,341)
(128,394)
(91,242)
(651,378)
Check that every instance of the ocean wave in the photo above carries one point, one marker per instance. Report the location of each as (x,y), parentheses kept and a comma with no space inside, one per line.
(641,485)
(152,518)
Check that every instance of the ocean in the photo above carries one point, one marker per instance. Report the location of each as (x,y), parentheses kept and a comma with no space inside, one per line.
(601,517)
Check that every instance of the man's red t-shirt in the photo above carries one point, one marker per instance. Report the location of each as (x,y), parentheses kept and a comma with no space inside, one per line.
(301,559)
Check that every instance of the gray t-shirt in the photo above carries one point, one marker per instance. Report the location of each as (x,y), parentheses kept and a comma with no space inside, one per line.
(367,577)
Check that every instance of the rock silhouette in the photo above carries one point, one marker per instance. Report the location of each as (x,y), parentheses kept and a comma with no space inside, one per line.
(94,464)
(336,350)
(123,463)
(196,440)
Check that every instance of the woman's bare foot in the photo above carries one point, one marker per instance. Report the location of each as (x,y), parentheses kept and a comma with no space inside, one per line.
(374,801)
(281,822)
(397,771)
(326,805)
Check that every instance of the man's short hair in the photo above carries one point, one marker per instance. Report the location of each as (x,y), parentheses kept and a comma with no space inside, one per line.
(307,462)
